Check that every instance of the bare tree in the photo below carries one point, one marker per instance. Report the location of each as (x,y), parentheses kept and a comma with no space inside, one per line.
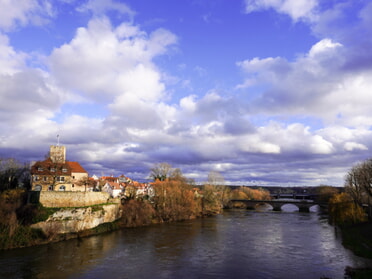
(353,184)
(161,171)
(13,174)
(215,178)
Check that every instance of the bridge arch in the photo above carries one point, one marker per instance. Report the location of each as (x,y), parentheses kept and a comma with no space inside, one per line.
(302,205)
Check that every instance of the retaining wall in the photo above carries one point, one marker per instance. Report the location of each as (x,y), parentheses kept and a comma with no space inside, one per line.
(72,199)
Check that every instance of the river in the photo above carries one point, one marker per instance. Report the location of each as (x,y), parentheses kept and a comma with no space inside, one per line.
(235,244)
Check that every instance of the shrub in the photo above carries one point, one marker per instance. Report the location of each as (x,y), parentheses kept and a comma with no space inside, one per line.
(137,213)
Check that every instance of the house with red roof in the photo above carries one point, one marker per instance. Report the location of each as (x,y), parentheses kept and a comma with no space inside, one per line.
(115,189)
(55,173)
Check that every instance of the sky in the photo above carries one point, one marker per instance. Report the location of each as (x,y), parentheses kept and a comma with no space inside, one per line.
(265,92)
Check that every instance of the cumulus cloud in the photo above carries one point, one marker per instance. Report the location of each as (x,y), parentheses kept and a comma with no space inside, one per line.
(104,61)
(308,85)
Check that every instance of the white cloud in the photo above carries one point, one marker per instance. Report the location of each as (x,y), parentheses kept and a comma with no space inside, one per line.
(324,47)
(315,84)
(351,146)
(10,60)
(296,9)
(115,67)
(103,61)
(101,7)
(25,11)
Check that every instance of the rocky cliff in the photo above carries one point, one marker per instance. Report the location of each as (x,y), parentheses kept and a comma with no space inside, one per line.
(74,220)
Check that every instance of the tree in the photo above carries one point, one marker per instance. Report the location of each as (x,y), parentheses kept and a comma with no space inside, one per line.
(325,193)
(161,172)
(358,182)
(86,182)
(215,194)
(13,174)
(215,178)
(343,210)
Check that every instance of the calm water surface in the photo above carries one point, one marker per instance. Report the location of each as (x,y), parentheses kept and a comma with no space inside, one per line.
(236,244)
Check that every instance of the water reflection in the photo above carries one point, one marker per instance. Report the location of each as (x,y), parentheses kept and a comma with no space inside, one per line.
(236,244)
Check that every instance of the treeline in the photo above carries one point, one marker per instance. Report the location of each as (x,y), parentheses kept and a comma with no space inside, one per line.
(354,204)
(177,198)
(13,174)
(351,211)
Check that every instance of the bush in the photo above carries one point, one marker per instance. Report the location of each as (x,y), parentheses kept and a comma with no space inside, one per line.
(137,213)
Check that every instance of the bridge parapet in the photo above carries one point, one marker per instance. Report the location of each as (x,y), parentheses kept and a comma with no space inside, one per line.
(302,205)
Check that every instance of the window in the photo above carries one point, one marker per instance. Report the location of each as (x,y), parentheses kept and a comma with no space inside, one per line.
(40,169)
(64,170)
(60,178)
(38,188)
(50,188)
(36,178)
(62,188)
(53,169)
(45,178)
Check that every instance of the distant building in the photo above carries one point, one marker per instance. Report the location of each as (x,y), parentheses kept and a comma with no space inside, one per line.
(57,174)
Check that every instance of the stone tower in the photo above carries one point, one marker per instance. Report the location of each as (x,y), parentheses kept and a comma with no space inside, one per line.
(57,154)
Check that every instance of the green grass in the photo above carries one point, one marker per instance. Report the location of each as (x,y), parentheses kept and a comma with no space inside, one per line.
(23,236)
(43,213)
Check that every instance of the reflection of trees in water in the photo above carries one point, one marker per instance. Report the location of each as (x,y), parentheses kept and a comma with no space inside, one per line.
(57,260)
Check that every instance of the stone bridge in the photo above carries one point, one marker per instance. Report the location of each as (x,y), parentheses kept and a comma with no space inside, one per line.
(302,205)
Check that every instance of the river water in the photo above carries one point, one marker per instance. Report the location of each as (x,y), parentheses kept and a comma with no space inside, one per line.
(235,244)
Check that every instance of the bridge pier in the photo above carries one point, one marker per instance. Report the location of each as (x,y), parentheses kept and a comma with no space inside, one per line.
(303,208)
(277,208)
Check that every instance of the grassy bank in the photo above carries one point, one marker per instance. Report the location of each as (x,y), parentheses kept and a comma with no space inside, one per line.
(358,238)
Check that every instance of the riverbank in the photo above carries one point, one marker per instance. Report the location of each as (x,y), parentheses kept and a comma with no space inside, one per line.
(358,239)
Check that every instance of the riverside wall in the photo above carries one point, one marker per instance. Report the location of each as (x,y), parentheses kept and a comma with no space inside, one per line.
(72,199)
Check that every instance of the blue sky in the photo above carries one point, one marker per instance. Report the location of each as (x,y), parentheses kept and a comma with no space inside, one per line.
(267,92)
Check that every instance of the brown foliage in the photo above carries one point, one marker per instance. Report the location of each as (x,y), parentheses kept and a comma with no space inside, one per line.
(174,200)
(344,210)
(10,202)
(325,193)
(137,213)
(12,231)
(246,193)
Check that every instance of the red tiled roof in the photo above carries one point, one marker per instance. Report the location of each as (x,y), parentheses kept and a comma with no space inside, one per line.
(45,168)
(114,185)
(76,167)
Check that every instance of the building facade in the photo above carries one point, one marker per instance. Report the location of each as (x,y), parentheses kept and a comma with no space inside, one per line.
(57,174)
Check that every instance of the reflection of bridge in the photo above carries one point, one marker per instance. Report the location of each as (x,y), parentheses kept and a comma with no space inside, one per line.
(303,205)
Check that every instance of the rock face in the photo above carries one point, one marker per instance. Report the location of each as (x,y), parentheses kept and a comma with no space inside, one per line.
(74,220)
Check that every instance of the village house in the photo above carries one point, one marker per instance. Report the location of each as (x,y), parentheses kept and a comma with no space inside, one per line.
(57,174)
(115,189)
(123,186)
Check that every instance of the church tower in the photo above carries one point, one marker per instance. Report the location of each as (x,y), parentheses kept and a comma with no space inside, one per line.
(57,154)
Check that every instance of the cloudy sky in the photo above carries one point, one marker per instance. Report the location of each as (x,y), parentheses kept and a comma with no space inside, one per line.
(266,92)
